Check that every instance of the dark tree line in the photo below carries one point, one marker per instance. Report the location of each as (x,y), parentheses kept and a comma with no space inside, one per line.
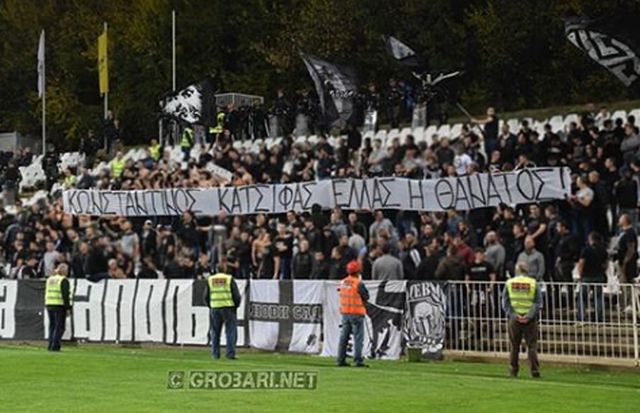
(513,52)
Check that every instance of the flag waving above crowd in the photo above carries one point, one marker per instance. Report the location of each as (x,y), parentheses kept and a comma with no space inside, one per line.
(336,88)
(401,52)
(194,104)
(613,42)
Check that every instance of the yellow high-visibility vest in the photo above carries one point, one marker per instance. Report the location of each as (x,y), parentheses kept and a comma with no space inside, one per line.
(220,291)
(69,181)
(219,124)
(117,167)
(154,151)
(187,138)
(53,291)
(522,293)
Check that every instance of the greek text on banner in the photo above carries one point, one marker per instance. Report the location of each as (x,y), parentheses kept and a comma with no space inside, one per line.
(460,193)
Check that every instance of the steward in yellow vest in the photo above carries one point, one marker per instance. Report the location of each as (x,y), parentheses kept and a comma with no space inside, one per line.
(117,165)
(224,298)
(521,302)
(186,142)
(58,298)
(219,124)
(155,150)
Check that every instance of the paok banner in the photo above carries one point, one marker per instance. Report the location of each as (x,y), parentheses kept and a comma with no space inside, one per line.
(425,317)
(461,193)
(382,324)
(300,316)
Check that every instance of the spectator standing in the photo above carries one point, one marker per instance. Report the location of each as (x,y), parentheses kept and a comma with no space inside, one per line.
(495,253)
(532,258)
(426,271)
(592,268)
(302,265)
(387,267)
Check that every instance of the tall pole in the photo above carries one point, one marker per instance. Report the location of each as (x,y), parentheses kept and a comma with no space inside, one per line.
(44,99)
(173,67)
(173,50)
(106,93)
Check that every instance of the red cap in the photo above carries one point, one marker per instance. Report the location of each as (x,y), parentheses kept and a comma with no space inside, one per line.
(353,267)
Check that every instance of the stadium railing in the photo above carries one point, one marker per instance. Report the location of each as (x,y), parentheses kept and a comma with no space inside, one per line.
(578,322)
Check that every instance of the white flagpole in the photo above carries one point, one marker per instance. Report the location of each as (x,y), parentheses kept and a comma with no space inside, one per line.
(44,99)
(173,50)
(106,93)
(173,66)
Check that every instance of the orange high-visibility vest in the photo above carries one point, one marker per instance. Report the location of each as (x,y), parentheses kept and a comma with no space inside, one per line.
(350,300)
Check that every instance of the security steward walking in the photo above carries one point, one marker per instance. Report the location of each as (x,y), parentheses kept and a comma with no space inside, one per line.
(224,299)
(353,296)
(58,299)
(521,302)
(186,142)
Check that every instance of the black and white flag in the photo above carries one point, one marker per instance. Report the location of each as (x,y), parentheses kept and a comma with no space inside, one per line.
(425,317)
(194,104)
(285,316)
(336,88)
(383,322)
(613,42)
(401,52)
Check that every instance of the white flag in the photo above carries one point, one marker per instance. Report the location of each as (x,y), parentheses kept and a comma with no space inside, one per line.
(41,65)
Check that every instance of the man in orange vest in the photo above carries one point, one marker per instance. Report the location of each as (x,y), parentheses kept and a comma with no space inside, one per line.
(353,296)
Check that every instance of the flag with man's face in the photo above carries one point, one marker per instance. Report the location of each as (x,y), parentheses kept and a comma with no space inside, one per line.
(194,104)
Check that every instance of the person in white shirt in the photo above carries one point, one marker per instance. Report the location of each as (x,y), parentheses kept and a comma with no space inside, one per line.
(461,161)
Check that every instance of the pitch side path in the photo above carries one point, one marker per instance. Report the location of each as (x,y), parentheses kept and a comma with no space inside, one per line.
(100,378)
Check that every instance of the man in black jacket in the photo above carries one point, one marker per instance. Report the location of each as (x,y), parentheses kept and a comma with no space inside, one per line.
(426,271)
(302,264)
(320,268)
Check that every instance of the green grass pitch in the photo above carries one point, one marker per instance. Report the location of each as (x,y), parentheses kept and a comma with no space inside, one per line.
(102,378)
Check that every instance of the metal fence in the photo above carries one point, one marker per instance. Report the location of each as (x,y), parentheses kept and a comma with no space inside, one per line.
(238,99)
(578,321)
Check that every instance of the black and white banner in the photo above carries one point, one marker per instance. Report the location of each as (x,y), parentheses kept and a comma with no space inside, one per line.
(158,311)
(336,88)
(460,193)
(425,317)
(194,104)
(300,316)
(383,322)
(613,42)
(286,315)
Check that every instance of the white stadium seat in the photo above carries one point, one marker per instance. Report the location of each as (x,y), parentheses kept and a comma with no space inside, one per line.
(456,130)
(619,114)
(572,117)
(444,131)
(404,132)
(514,125)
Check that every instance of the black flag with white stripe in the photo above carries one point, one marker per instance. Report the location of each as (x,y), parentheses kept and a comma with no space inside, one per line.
(613,42)
(336,88)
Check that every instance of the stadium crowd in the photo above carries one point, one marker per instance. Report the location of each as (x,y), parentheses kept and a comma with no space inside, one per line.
(482,244)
